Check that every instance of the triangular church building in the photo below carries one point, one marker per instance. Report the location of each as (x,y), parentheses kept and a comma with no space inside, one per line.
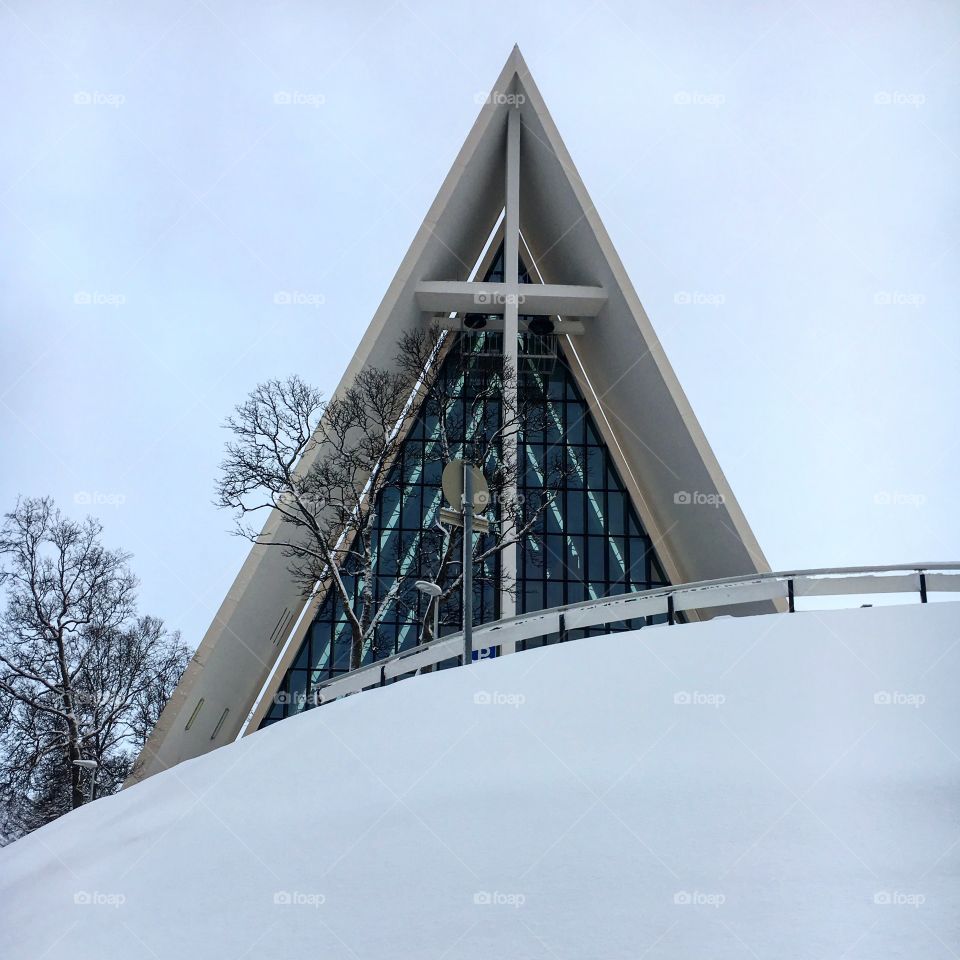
(513,262)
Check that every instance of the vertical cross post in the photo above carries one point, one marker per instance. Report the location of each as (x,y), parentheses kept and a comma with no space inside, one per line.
(511,324)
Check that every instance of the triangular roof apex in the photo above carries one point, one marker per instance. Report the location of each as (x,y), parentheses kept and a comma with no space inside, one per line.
(515,66)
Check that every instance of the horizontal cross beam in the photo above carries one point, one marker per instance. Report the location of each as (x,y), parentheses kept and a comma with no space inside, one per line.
(573,328)
(539,299)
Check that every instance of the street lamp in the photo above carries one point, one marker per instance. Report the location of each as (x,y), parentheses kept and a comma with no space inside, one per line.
(464,485)
(435,591)
(92,766)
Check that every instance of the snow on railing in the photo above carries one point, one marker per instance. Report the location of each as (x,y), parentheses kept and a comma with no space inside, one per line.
(922,579)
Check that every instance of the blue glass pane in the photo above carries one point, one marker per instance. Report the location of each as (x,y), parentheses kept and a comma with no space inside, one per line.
(553,519)
(555,593)
(596,522)
(342,644)
(574,516)
(595,457)
(615,514)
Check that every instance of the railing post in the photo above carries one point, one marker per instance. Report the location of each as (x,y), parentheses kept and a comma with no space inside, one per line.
(923,587)
(383,675)
(671,619)
(790,604)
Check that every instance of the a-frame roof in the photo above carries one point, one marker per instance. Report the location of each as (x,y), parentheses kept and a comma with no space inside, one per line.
(644,415)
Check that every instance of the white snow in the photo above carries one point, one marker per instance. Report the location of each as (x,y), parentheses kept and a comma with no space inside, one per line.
(773,787)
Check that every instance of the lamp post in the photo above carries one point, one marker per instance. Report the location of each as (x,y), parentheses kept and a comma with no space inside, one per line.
(465,487)
(468,508)
(92,766)
(434,591)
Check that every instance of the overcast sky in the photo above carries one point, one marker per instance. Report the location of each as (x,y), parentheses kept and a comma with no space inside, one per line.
(791,169)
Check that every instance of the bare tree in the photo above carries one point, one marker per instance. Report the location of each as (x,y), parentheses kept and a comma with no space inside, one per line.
(323,466)
(82,677)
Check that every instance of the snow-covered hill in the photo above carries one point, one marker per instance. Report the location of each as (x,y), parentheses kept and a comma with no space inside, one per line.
(782,786)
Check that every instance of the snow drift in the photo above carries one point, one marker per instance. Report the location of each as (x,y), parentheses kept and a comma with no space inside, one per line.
(779,786)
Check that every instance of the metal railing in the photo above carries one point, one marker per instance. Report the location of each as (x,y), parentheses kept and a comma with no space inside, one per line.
(773,589)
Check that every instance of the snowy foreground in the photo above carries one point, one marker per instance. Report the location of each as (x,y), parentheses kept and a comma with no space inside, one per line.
(781,786)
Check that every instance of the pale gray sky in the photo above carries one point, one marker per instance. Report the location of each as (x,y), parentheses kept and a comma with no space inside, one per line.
(793,167)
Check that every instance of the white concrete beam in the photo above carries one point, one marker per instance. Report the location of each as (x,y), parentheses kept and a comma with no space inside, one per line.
(572,328)
(511,334)
(542,299)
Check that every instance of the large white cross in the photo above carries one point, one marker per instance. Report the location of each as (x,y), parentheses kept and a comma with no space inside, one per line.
(450,300)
